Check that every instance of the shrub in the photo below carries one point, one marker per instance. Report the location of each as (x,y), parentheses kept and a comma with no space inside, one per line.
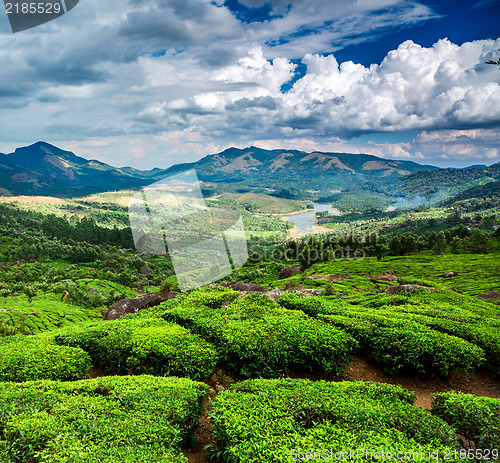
(475,418)
(288,419)
(32,359)
(398,339)
(309,305)
(143,346)
(105,420)
(400,345)
(256,337)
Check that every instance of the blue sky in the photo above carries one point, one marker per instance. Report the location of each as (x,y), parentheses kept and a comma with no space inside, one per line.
(157,82)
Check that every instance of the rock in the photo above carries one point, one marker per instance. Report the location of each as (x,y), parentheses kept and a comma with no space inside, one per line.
(389,276)
(449,274)
(289,271)
(490,295)
(275,293)
(34,314)
(145,269)
(333,277)
(227,381)
(92,291)
(125,306)
(405,288)
(219,388)
(248,287)
(308,292)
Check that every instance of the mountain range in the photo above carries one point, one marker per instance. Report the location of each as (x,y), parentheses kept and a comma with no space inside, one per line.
(44,169)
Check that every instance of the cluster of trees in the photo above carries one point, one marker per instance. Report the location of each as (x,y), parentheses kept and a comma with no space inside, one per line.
(320,248)
(75,294)
(430,182)
(456,240)
(86,229)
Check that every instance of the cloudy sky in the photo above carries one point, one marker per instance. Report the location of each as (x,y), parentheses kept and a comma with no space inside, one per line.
(157,82)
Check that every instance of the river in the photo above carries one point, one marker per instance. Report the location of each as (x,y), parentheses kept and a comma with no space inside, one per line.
(306,221)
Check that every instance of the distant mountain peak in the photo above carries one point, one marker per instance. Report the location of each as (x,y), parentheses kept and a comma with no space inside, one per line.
(43,168)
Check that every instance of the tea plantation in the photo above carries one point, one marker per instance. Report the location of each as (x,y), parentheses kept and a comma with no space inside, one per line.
(150,412)
(288,420)
(115,419)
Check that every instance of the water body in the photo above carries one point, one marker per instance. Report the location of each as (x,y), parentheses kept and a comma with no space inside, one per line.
(304,221)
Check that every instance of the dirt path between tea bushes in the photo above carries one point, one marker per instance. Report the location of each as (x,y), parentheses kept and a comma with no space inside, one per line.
(360,369)
(476,382)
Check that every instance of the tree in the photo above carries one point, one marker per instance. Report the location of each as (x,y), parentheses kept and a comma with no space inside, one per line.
(456,245)
(478,242)
(30,292)
(395,245)
(5,293)
(440,243)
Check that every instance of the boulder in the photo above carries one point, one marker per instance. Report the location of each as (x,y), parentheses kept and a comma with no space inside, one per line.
(405,288)
(275,293)
(388,276)
(449,274)
(34,314)
(125,306)
(490,295)
(248,287)
(332,277)
(308,292)
(289,271)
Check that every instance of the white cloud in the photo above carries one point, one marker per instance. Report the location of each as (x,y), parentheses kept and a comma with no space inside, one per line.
(178,79)
(478,145)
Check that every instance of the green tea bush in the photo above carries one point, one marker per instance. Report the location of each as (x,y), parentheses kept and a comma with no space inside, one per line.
(256,337)
(475,418)
(46,312)
(403,333)
(285,420)
(444,311)
(405,346)
(106,420)
(484,336)
(32,359)
(310,305)
(143,346)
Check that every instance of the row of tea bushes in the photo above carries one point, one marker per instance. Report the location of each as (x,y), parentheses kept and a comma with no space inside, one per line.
(475,418)
(143,346)
(106,420)
(401,340)
(287,420)
(29,358)
(126,346)
(462,316)
(405,346)
(17,316)
(256,337)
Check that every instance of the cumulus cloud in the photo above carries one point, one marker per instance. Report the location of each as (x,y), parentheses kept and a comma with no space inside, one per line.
(480,145)
(178,79)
